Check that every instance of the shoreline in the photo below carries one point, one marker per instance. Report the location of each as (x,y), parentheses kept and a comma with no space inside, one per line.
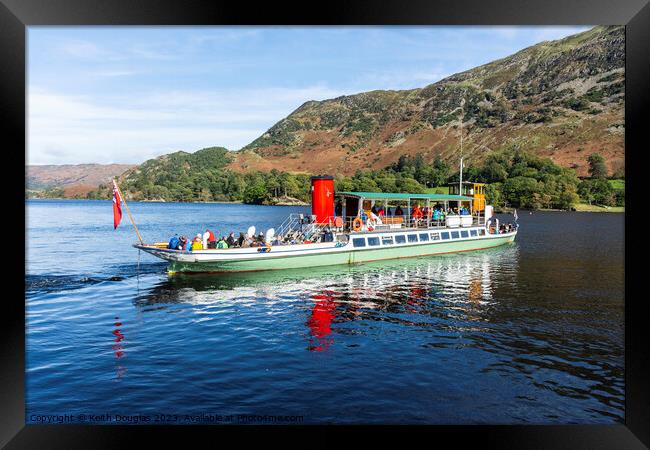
(579,207)
(164,201)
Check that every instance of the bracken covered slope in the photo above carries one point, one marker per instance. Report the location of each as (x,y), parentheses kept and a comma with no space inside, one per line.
(563,99)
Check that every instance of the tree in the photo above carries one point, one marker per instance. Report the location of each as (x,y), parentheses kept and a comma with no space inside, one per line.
(597,167)
(255,193)
(598,191)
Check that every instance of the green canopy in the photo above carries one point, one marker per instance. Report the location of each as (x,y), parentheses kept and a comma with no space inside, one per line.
(404,196)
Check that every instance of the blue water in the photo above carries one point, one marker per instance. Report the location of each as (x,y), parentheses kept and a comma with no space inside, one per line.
(525,333)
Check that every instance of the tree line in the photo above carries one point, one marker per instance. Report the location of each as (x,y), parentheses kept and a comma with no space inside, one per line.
(515,179)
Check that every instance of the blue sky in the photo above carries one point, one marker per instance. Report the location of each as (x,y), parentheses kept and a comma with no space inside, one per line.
(127,94)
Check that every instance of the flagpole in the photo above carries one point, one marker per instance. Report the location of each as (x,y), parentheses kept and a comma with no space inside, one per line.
(128,211)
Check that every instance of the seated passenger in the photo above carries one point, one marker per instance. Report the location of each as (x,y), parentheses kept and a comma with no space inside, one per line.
(183,243)
(231,239)
(222,243)
(398,211)
(328,236)
(197,242)
(416,214)
(174,243)
(209,240)
(240,240)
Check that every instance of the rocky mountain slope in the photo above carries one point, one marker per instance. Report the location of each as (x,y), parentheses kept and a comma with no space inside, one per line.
(562,99)
(72,178)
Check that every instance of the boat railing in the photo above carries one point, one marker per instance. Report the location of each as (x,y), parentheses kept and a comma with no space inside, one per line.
(293,223)
(409,222)
(305,226)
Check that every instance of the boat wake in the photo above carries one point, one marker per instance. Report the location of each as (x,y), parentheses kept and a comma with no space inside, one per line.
(45,283)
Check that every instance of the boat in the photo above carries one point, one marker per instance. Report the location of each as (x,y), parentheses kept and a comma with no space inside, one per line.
(351,232)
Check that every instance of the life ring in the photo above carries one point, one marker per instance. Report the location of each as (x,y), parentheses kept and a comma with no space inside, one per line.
(357,224)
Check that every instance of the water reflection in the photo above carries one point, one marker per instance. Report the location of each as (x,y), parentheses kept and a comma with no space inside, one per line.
(117,348)
(457,278)
(447,292)
(320,321)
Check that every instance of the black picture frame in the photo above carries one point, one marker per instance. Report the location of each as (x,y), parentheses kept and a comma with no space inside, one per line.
(16,15)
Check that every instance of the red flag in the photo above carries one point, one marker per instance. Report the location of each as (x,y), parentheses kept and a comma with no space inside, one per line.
(117,206)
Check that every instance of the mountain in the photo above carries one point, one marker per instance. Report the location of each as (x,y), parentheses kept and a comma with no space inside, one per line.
(561,99)
(73,179)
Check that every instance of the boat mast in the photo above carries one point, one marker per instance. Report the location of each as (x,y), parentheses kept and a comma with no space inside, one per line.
(460,181)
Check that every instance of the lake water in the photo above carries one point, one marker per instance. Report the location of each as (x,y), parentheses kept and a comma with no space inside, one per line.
(526,333)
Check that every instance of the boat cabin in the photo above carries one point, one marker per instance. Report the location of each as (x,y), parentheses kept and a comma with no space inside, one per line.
(405,210)
(471,189)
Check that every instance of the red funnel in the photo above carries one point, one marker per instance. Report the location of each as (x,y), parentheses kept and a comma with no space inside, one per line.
(322,198)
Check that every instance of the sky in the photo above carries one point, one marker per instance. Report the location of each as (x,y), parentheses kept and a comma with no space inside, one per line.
(127,94)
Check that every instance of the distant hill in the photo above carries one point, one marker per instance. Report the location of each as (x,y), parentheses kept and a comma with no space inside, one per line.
(561,99)
(72,179)
(180,175)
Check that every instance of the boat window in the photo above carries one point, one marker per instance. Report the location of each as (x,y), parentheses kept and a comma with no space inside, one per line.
(400,239)
(464,233)
(359,242)
(481,232)
(424,237)
(387,240)
(413,237)
(373,241)
(454,234)
(445,235)
(472,232)
(435,236)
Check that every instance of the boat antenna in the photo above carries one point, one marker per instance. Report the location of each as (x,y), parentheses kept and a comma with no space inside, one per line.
(460,181)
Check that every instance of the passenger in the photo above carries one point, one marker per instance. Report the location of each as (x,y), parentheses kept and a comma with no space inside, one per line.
(197,242)
(338,210)
(183,242)
(398,211)
(260,238)
(364,216)
(375,219)
(380,212)
(246,242)
(373,209)
(222,243)
(240,240)
(389,212)
(436,215)
(328,236)
(417,213)
(174,243)
(231,241)
(209,240)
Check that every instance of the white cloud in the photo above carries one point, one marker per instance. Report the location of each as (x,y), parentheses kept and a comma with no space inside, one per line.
(80,129)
